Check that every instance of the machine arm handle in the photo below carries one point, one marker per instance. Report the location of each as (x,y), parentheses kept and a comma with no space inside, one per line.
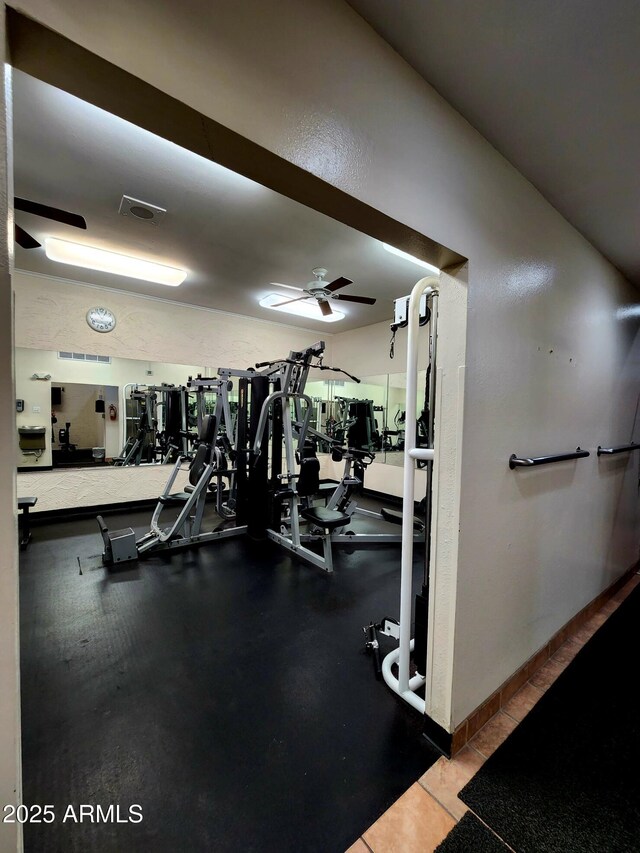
(305,364)
(336,370)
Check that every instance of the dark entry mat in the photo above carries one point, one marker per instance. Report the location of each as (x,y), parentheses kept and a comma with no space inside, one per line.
(566,780)
(470,835)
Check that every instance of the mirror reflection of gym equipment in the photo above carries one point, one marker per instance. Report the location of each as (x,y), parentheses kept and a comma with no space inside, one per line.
(394,432)
(357,425)
(156,424)
(123,415)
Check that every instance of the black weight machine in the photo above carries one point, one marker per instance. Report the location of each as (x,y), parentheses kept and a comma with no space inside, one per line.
(293,517)
(343,498)
(274,481)
(284,474)
(208,463)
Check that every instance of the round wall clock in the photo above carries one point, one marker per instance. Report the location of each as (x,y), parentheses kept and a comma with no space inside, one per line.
(101,319)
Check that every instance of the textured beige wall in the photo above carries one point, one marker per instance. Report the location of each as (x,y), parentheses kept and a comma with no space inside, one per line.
(81,487)
(50,315)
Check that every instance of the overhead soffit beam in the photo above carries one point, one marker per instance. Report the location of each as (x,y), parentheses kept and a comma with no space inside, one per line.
(54,59)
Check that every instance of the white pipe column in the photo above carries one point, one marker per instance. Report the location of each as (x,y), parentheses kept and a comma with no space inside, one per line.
(425,285)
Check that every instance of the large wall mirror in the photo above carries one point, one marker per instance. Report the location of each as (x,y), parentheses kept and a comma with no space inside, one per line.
(94,408)
(128,412)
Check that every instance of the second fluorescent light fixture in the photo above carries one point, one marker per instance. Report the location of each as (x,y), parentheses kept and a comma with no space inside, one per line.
(411,258)
(91,258)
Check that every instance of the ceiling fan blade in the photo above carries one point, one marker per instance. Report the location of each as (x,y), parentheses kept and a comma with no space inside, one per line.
(47,212)
(325,307)
(365,300)
(25,240)
(337,283)
(288,301)
(288,286)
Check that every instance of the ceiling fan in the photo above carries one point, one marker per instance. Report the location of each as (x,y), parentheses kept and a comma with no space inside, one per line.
(26,240)
(322,291)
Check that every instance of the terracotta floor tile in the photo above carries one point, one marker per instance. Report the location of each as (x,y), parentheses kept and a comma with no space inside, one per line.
(598,619)
(575,641)
(445,779)
(609,607)
(583,634)
(358,847)
(544,678)
(627,588)
(491,736)
(566,652)
(519,705)
(415,823)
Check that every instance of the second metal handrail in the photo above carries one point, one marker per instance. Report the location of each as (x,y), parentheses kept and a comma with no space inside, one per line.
(528,461)
(623,448)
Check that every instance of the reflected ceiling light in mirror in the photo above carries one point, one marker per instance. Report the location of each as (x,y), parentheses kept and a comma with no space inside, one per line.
(300,308)
(411,258)
(92,258)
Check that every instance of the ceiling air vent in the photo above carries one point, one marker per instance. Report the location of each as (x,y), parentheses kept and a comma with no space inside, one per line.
(141,210)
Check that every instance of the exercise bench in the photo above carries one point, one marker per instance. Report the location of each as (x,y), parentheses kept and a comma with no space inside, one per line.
(24,505)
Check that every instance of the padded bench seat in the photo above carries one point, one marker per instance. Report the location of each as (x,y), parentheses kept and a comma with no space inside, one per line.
(175,499)
(24,505)
(328,519)
(395,517)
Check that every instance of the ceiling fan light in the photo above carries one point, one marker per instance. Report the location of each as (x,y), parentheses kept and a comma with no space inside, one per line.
(309,309)
(411,258)
(92,258)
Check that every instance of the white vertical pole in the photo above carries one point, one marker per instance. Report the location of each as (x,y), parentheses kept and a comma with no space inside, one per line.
(406,565)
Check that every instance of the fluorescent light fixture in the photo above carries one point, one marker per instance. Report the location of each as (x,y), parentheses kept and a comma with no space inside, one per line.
(288,286)
(409,257)
(300,309)
(89,257)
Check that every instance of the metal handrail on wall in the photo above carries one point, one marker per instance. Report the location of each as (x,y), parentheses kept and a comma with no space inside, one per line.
(528,461)
(623,448)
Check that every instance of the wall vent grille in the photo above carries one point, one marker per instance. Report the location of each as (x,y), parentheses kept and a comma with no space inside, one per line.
(84,356)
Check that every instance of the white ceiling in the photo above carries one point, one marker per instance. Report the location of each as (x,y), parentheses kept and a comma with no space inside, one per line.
(554,85)
(234,236)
